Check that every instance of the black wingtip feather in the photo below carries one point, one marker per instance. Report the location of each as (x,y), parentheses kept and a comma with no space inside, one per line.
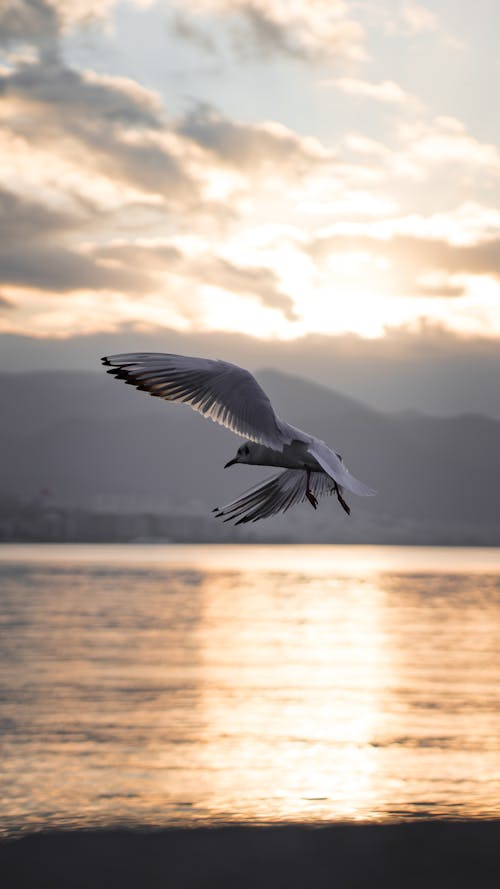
(121,373)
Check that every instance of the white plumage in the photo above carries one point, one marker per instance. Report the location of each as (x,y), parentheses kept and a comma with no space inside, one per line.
(231,396)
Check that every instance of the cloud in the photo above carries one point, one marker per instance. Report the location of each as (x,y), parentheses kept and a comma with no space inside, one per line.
(423,147)
(256,281)
(413,265)
(387,91)
(302,30)
(199,268)
(419,18)
(436,284)
(473,259)
(445,140)
(412,19)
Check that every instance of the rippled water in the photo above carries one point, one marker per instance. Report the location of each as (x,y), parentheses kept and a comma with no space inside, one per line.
(199,684)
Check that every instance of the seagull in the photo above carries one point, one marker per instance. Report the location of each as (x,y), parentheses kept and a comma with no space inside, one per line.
(231,396)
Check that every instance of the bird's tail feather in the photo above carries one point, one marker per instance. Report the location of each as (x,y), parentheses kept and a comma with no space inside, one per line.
(274,495)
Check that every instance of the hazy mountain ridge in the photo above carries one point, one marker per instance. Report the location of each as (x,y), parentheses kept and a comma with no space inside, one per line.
(428,370)
(94,443)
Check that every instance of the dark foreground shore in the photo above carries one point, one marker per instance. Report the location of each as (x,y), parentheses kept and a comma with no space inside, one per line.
(418,855)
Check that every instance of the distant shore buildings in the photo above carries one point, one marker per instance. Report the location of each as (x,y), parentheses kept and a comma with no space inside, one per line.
(41,520)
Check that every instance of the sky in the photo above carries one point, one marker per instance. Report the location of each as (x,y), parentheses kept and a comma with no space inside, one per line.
(277,169)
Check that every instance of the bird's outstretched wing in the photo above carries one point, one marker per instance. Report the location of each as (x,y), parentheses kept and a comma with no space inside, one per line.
(276,494)
(224,392)
(332,464)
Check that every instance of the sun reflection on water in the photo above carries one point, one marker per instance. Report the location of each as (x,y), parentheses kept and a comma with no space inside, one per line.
(294,670)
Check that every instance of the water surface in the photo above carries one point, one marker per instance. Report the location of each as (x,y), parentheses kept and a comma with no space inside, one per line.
(161,685)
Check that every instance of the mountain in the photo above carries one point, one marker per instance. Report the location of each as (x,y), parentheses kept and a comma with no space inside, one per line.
(94,443)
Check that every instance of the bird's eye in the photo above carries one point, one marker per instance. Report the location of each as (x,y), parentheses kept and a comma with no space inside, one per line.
(246,450)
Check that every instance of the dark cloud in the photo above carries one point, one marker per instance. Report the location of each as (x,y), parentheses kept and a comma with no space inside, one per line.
(40,23)
(68,91)
(146,166)
(252,32)
(189,29)
(248,146)
(295,38)
(22,220)
(62,270)
(32,253)
(269,36)
(29,21)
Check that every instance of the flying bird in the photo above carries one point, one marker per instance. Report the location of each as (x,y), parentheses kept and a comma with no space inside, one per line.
(232,397)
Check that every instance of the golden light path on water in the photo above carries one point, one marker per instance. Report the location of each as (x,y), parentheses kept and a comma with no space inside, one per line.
(309,740)
(199,684)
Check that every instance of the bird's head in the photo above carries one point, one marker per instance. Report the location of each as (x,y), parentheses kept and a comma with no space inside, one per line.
(243,455)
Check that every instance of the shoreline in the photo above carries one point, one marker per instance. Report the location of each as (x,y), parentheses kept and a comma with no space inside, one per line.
(404,855)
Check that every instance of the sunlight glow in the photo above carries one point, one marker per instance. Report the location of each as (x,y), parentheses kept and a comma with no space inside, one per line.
(225,311)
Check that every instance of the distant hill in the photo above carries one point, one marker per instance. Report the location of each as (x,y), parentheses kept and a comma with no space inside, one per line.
(94,443)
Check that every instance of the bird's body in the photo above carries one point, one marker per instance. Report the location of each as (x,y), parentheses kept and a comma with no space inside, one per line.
(231,396)
(292,456)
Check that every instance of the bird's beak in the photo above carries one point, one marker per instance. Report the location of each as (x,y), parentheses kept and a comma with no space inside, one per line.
(231,463)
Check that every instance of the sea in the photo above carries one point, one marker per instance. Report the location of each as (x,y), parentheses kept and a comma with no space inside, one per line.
(153,685)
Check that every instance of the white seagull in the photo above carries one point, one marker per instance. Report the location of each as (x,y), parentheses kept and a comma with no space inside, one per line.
(231,396)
